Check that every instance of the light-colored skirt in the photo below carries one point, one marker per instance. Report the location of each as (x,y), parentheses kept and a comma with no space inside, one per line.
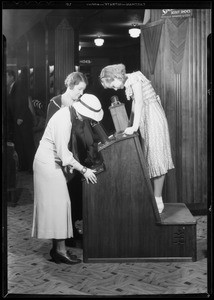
(156,141)
(52,206)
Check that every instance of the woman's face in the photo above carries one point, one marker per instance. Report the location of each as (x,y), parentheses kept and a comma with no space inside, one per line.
(116,84)
(77,91)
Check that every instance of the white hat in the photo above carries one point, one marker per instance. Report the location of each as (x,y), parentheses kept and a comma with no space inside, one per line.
(89,106)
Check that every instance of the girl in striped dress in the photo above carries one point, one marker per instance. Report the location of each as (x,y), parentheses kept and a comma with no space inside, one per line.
(147,116)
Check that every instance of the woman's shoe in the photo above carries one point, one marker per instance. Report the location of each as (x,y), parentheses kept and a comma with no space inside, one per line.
(69,252)
(67,258)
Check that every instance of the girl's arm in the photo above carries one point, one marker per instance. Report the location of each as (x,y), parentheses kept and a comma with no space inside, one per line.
(137,107)
(131,118)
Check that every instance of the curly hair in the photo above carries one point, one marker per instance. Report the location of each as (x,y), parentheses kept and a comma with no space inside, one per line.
(74,79)
(109,73)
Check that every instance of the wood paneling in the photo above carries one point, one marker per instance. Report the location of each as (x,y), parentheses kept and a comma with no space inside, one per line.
(39,63)
(64,54)
(123,223)
(21,52)
(180,78)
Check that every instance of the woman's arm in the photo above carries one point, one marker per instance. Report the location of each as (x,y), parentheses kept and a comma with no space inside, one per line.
(61,130)
(53,106)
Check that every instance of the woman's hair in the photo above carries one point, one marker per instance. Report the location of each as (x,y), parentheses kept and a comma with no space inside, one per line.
(109,73)
(74,79)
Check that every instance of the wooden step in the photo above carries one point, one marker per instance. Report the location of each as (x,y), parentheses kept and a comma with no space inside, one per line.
(176,214)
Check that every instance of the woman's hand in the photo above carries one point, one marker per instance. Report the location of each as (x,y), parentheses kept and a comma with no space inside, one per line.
(90,176)
(129,130)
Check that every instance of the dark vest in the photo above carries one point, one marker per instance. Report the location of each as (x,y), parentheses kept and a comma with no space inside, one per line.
(83,143)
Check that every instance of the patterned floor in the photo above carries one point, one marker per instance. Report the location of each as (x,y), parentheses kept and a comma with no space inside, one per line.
(30,271)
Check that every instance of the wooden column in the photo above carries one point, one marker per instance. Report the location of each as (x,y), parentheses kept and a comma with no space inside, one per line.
(39,63)
(31,63)
(64,54)
(21,52)
(50,61)
(177,31)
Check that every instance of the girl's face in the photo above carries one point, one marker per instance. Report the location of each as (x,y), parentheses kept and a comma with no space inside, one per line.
(77,90)
(116,84)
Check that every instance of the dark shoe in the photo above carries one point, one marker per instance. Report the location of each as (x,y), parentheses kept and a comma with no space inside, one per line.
(64,258)
(69,252)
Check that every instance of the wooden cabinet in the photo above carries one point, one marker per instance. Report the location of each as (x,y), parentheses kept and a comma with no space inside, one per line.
(121,221)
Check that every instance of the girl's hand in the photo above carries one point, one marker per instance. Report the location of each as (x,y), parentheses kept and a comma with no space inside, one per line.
(129,130)
(90,176)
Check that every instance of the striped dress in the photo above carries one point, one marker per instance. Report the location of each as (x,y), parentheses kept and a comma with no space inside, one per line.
(153,126)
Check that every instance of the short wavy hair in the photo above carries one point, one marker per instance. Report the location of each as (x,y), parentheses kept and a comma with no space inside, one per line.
(74,79)
(109,73)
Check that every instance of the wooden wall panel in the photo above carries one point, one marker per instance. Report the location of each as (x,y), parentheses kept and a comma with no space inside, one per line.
(180,78)
(39,63)
(21,52)
(64,54)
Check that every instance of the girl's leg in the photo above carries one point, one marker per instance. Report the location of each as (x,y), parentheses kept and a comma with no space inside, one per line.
(158,187)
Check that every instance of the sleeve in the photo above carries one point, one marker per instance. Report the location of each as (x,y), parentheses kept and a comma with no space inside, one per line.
(146,87)
(52,108)
(61,132)
(134,78)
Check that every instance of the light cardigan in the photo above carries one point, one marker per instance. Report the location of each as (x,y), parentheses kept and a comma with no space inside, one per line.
(54,143)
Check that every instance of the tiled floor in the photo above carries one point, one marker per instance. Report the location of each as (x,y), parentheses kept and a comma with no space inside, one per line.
(30,271)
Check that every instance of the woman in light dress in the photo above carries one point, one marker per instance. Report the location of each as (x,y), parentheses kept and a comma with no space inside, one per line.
(52,207)
(147,116)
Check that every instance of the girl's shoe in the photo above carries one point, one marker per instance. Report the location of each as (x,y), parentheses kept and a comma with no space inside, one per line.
(160,207)
(160,204)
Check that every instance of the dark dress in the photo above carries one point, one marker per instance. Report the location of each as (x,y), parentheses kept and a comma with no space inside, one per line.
(84,145)
(21,135)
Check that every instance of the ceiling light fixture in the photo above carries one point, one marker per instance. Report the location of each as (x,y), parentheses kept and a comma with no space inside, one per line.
(80,47)
(134,32)
(99,41)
